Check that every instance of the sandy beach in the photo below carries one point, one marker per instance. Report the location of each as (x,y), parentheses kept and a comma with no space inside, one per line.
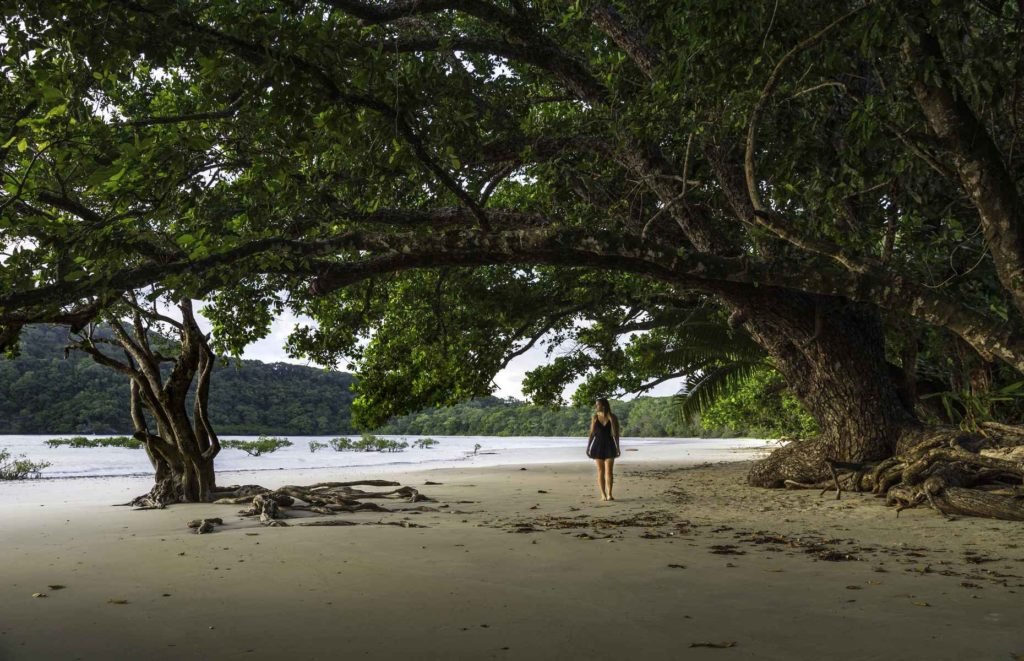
(515,562)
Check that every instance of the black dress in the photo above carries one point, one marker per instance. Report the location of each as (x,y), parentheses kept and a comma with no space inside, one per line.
(602,444)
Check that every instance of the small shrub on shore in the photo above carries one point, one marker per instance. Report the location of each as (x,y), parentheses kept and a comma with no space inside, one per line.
(424,443)
(19,468)
(317,445)
(107,442)
(262,445)
(368,443)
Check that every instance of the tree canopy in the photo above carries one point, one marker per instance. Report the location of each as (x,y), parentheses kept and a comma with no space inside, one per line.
(441,183)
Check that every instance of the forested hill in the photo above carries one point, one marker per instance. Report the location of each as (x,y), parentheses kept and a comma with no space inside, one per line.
(491,416)
(41,392)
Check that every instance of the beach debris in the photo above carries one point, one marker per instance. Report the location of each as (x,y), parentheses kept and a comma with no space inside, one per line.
(721,646)
(56,587)
(330,522)
(648,519)
(541,491)
(526,528)
(976,558)
(726,549)
(400,524)
(922,604)
(677,495)
(119,602)
(675,566)
(39,595)
(265,507)
(276,523)
(203,526)
(429,483)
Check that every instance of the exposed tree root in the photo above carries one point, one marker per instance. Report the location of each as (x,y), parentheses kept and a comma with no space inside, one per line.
(951,471)
(269,505)
(323,498)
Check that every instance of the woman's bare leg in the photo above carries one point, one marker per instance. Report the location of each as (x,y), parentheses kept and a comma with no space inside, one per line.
(600,477)
(609,464)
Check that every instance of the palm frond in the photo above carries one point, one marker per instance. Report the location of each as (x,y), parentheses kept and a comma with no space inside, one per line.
(714,383)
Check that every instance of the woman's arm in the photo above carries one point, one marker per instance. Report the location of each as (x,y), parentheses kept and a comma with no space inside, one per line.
(593,428)
(615,434)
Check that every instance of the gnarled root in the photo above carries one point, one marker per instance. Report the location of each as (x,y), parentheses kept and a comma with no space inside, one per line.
(165,492)
(800,462)
(322,498)
(954,472)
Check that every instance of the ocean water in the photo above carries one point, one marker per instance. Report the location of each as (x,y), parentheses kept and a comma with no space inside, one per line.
(451,451)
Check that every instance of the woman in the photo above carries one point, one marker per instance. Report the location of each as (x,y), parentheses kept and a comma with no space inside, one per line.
(603,445)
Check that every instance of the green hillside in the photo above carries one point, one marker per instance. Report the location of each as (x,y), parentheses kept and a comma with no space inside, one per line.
(41,392)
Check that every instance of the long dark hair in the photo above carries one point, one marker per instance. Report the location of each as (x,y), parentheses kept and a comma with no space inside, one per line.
(605,406)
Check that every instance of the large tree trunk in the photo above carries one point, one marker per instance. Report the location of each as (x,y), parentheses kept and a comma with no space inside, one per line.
(832,355)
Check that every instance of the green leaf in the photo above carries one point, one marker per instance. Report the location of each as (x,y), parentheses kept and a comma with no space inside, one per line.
(57,111)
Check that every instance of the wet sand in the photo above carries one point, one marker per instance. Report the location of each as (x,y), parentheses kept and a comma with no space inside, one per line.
(518,564)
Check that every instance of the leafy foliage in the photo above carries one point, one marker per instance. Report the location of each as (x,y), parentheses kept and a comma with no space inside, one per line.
(367,443)
(82,442)
(759,405)
(969,409)
(301,156)
(262,445)
(19,468)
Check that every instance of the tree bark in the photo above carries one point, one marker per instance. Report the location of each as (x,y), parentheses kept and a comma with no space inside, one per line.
(832,355)
(978,162)
(182,449)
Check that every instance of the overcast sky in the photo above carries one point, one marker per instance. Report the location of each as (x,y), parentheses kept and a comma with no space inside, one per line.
(509,380)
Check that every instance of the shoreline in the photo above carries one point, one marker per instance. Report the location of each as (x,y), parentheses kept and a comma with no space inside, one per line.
(523,564)
(235,465)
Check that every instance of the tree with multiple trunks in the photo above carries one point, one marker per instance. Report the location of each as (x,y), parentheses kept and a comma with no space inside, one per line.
(442,184)
(181,448)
